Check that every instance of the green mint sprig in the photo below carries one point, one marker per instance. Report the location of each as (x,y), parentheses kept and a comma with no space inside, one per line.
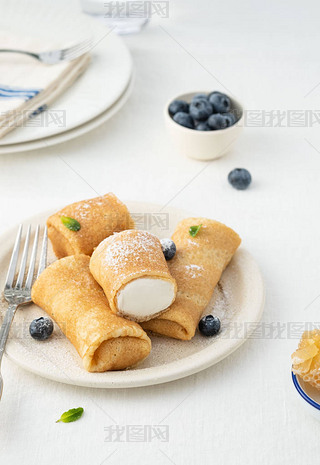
(71,415)
(70,223)
(193,230)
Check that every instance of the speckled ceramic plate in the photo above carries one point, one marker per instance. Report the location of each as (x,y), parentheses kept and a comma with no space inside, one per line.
(238,301)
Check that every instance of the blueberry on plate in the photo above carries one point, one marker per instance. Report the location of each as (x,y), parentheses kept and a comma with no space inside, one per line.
(220,102)
(168,248)
(184,119)
(200,109)
(209,325)
(231,119)
(178,105)
(203,126)
(239,178)
(41,328)
(217,121)
(199,96)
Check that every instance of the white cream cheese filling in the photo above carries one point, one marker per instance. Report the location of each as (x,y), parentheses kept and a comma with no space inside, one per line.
(145,297)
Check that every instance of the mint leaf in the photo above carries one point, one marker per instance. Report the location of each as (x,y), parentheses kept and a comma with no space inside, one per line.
(193,230)
(71,415)
(70,223)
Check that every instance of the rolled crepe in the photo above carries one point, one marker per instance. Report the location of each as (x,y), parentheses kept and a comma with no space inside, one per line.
(98,218)
(131,269)
(197,268)
(67,291)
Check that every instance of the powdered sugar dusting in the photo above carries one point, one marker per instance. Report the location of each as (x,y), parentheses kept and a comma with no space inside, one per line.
(193,243)
(84,209)
(166,243)
(135,247)
(194,271)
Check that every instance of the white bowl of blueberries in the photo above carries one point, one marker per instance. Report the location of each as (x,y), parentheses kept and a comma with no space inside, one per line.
(204,125)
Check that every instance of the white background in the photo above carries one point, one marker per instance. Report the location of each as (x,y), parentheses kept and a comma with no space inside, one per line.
(243,410)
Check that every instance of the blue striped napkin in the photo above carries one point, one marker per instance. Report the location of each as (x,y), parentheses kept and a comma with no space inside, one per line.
(28,86)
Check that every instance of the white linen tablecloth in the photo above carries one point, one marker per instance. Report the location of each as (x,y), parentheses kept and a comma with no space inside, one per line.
(243,410)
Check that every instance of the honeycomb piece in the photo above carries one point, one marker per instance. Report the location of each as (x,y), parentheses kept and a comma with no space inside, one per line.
(306,359)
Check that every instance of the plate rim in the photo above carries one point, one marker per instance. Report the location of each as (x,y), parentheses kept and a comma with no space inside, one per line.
(77,131)
(163,373)
(60,131)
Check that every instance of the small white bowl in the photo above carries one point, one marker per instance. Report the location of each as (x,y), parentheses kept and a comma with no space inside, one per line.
(309,396)
(203,145)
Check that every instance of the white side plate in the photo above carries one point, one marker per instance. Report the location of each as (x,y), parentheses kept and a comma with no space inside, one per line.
(95,91)
(73,133)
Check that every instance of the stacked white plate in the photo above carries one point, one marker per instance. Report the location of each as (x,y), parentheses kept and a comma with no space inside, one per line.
(96,95)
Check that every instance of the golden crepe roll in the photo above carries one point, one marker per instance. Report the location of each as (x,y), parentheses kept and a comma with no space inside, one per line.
(131,269)
(98,218)
(67,291)
(197,268)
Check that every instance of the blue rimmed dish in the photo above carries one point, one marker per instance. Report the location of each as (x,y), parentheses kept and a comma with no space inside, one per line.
(309,395)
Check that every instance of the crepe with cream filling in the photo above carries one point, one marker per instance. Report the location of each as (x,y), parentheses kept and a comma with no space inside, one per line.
(98,218)
(197,268)
(131,269)
(67,291)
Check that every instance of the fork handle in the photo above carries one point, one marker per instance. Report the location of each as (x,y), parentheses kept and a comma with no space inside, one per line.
(5,328)
(24,52)
(4,333)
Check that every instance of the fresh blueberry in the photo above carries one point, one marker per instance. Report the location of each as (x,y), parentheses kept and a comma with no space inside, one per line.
(41,328)
(178,105)
(203,126)
(239,178)
(168,248)
(200,109)
(209,325)
(217,121)
(220,102)
(199,96)
(184,119)
(231,119)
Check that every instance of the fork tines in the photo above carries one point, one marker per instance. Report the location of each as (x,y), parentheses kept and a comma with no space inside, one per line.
(9,284)
(77,50)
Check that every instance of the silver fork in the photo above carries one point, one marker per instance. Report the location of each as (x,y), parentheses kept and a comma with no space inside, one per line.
(20,292)
(53,57)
